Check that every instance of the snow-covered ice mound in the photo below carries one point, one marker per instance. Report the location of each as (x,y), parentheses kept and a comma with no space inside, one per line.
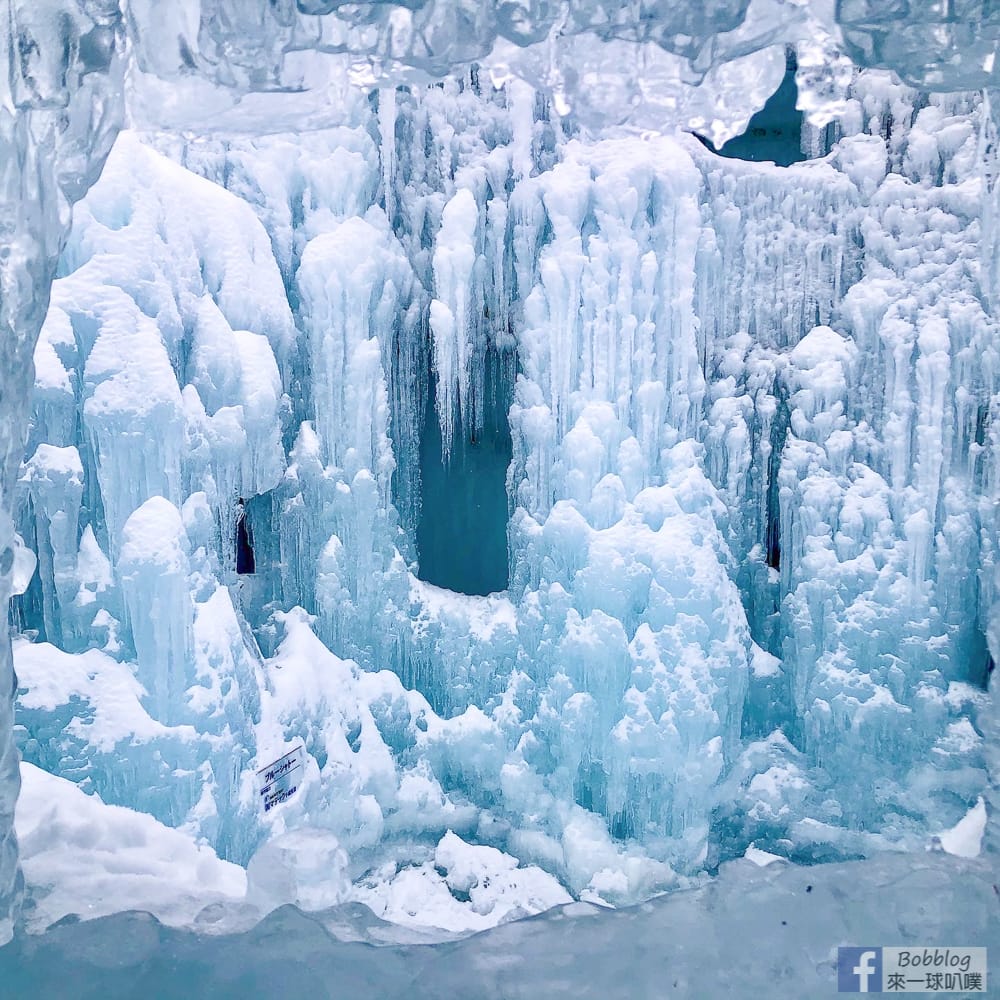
(84,859)
(750,463)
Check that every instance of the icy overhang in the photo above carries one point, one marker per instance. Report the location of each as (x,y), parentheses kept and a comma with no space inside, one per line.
(645,64)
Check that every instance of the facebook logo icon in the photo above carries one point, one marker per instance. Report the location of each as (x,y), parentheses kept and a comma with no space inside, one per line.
(859,970)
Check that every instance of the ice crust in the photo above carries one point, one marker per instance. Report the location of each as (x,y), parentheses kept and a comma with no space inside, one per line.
(752,932)
(753,495)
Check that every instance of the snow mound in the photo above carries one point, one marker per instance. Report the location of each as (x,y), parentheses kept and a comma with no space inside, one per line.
(84,858)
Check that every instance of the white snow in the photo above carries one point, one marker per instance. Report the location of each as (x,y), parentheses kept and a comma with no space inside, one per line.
(965,838)
(761,858)
(52,680)
(84,858)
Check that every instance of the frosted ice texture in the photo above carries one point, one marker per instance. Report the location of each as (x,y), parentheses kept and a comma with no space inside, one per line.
(912,483)
(60,107)
(707,67)
(773,925)
(740,526)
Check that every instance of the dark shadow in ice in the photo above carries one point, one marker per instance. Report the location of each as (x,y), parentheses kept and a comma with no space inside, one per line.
(245,561)
(775,132)
(462,535)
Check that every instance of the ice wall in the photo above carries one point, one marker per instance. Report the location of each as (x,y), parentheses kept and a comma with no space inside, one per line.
(557,651)
(173,407)
(717,616)
(64,102)
(61,105)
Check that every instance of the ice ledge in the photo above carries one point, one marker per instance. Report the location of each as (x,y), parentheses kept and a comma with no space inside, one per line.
(751,931)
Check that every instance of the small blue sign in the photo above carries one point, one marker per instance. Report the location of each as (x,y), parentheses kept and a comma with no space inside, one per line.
(859,970)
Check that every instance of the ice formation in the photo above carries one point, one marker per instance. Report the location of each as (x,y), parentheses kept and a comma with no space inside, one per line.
(772,924)
(740,420)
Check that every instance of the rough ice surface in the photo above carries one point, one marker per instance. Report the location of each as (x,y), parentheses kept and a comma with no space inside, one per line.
(776,926)
(751,497)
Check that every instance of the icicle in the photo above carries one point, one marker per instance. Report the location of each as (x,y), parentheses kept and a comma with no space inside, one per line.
(454,260)
(521,104)
(989,168)
(387,131)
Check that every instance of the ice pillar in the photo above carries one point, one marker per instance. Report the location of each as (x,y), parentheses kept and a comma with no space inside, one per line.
(60,109)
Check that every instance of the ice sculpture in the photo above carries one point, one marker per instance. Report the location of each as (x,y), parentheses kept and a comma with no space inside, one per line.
(752,529)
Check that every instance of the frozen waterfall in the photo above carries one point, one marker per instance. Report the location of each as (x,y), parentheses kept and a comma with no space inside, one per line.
(616,508)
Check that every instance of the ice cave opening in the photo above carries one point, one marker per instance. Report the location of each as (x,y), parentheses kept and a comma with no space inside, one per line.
(246,563)
(461,538)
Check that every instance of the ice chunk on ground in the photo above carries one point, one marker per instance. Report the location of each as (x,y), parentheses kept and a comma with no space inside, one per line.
(306,867)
